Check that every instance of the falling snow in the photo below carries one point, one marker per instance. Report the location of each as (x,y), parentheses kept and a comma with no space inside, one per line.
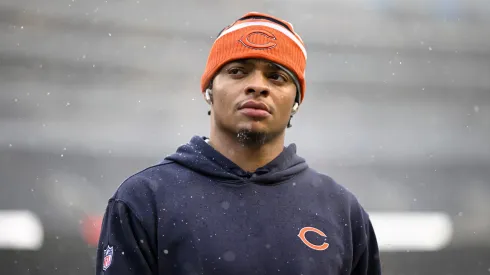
(61,116)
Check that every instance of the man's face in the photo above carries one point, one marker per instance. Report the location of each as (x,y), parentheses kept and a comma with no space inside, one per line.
(253,96)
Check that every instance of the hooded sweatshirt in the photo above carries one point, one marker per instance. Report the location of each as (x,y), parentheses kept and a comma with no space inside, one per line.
(199,213)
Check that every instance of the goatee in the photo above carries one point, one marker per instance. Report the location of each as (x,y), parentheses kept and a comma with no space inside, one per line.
(249,138)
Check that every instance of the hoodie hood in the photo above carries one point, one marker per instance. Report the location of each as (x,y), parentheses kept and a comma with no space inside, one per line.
(199,156)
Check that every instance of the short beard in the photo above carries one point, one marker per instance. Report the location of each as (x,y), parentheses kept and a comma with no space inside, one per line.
(253,139)
(249,138)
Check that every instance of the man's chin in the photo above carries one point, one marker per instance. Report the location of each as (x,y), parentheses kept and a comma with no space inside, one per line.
(256,135)
(252,138)
(253,126)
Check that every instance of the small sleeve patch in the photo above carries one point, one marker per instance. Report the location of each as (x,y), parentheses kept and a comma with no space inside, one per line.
(108,257)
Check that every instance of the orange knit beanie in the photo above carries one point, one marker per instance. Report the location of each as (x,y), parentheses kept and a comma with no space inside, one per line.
(258,35)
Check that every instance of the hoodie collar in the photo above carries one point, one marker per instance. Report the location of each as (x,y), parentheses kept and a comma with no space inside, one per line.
(199,156)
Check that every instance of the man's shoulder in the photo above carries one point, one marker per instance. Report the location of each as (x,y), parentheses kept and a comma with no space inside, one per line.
(335,190)
(145,183)
(340,198)
(319,179)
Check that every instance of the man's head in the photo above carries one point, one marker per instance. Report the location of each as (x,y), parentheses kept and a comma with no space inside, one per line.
(254,78)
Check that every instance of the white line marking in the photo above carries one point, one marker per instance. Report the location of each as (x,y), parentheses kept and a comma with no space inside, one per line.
(412,231)
(20,230)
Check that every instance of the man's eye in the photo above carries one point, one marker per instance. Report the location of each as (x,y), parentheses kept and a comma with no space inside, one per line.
(278,77)
(236,71)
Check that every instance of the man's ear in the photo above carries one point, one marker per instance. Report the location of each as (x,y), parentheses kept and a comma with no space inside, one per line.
(208,96)
(295,108)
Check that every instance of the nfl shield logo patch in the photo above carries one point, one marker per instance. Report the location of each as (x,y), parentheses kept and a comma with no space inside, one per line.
(108,254)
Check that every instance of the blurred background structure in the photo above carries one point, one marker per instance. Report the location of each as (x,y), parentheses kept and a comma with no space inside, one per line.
(397,109)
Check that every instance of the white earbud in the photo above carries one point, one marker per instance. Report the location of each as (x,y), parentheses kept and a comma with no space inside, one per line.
(208,94)
(295,107)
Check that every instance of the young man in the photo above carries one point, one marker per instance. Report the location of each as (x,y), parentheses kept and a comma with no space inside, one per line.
(239,202)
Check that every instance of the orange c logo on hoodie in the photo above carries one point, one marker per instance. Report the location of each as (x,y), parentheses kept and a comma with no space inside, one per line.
(302,236)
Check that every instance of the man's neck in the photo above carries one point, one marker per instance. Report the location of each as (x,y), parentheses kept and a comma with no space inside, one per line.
(249,158)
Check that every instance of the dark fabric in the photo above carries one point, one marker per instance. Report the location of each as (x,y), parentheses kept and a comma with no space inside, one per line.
(199,213)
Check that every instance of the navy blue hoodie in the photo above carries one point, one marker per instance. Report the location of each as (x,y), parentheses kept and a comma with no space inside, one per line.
(199,213)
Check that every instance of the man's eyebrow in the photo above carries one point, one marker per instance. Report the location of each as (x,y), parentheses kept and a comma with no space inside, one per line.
(240,61)
(249,62)
(275,67)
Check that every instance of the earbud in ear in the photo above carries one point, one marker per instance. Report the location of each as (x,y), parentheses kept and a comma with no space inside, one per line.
(208,95)
(295,107)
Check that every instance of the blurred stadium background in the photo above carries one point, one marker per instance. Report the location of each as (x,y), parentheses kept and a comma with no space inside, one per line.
(397,109)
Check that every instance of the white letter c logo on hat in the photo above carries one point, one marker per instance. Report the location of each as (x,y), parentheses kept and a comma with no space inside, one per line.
(258,40)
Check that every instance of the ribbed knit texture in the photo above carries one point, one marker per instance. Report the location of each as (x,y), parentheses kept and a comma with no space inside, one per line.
(257,41)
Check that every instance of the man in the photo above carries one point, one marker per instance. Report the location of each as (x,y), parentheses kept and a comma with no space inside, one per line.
(239,202)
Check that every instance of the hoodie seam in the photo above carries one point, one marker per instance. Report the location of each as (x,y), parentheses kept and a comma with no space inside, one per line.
(282,182)
(163,163)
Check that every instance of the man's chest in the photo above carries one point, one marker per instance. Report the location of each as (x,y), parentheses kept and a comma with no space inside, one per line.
(247,233)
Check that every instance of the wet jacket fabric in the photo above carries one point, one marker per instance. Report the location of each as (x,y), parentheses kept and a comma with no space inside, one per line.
(197,212)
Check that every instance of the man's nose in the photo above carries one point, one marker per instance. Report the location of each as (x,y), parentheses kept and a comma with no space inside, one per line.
(258,84)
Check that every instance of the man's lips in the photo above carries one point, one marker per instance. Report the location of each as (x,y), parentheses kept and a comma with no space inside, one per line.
(255,109)
(251,104)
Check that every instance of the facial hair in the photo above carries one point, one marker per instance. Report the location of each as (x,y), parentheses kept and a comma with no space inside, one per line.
(247,137)
(255,139)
